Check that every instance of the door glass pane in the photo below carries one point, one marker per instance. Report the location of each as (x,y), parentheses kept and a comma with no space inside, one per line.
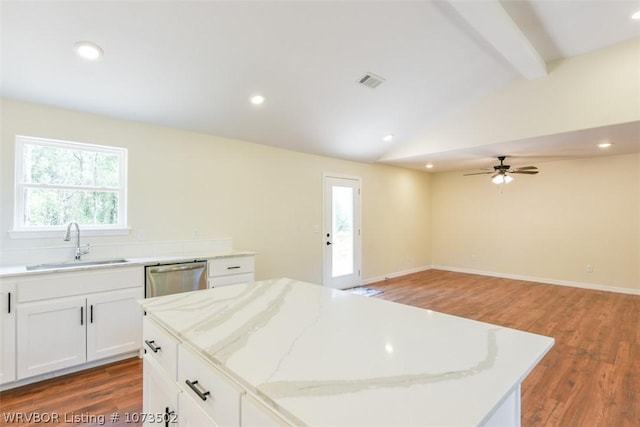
(342,218)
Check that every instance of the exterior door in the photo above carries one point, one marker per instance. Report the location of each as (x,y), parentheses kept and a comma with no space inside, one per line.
(341,235)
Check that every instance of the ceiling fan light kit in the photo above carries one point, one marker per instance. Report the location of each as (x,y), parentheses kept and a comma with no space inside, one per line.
(500,178)
(500,173)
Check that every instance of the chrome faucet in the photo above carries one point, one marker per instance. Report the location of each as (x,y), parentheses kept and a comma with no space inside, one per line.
(67,237)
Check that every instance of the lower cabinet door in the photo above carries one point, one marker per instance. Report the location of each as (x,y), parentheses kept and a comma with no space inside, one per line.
(160,396)
(190,414)
(7,332)
(51,335)
(114,323)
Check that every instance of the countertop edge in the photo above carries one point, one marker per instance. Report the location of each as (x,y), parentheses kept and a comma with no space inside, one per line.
(21,270)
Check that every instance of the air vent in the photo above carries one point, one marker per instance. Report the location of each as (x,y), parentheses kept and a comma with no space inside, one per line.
(371,80)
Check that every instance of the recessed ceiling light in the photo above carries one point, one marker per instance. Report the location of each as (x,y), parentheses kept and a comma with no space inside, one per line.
(605,144)
(88,50)
(428,166)
(387,138)
(257,99)
(636,15)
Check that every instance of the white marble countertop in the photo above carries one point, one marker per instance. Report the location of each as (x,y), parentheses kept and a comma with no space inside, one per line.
(21,270)
(324,357)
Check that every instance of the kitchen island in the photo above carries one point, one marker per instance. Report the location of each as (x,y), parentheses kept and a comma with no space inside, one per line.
(309,355)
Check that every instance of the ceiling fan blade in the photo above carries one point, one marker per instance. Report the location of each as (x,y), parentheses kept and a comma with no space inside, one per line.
(524,172)
(524,168)
(478,173)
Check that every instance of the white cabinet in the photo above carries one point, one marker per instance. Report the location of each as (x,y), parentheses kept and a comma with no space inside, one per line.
(206,395)
(191,415)
(160,395)
(160,390)
(65,332)
(211,389)
(114,324)
(230,270)
(161,347)
(7,331)
(255,414)
(67,319)
(51,335)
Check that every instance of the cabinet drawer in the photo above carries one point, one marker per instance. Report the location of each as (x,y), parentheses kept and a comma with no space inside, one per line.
(70,283)
(160,346)
(191,415)
(231,279)
(231,265)
(255,414)
(209,388)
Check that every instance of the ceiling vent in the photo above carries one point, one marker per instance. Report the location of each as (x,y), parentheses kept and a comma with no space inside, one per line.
(371,80)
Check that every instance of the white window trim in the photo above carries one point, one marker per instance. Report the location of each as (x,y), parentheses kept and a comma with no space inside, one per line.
(48,233)
(20,231)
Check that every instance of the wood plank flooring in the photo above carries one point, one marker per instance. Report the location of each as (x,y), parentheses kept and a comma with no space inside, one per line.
(94,393)
(591,377)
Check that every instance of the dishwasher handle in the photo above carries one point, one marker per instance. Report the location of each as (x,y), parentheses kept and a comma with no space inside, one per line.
(178,267)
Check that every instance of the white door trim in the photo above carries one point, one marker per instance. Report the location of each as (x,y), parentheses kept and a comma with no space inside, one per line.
(326,276)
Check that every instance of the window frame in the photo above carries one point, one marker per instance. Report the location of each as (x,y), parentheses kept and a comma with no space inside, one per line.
(20,230)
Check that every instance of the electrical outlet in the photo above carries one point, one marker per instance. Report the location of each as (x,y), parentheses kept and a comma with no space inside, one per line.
(589,268)
(196,234)
(142,235)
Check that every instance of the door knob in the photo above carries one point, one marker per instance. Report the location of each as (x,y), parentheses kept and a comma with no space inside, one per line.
(328,243)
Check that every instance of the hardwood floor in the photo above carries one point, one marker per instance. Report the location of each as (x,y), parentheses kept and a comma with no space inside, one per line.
(591,377)
(94,395)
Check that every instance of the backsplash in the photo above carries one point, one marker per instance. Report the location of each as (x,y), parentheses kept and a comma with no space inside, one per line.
(61,253)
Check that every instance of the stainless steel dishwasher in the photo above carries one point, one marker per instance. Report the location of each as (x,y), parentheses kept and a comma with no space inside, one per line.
(165,279)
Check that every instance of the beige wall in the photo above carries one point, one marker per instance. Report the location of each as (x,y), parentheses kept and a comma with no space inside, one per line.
(266,199)
(548,226)
(599,88)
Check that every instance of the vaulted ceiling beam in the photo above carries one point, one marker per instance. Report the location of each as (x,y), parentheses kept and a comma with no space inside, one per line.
(489,19)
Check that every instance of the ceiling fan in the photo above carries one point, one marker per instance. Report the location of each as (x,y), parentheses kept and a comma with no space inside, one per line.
(500,172)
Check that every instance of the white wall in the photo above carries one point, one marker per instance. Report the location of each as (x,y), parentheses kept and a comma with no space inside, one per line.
(549,226)
(266,199)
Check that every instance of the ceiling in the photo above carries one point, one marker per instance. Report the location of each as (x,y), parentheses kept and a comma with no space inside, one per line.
(194,65)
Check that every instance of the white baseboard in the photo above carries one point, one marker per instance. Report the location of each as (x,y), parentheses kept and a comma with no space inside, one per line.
(397,274)
(591,286)
(65,371)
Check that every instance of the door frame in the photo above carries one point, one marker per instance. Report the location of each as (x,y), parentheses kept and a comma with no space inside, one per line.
(357,243)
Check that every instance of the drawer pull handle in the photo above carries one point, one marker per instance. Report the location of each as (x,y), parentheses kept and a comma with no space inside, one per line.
(169,416)
(152,345)
(201,394)
(233,267)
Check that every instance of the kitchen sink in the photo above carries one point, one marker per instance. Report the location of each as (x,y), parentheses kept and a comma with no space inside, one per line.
(71,264)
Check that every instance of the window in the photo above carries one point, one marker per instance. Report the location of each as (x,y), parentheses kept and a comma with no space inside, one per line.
(58,182)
